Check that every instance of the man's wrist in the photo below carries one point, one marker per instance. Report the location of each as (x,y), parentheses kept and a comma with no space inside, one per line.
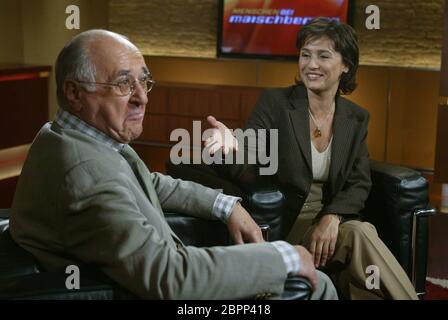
(224,206)
(290,256)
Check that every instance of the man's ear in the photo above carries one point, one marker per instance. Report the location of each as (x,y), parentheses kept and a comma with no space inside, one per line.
(71,92)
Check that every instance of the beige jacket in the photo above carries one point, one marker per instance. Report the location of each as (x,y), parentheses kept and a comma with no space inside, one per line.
(79,202)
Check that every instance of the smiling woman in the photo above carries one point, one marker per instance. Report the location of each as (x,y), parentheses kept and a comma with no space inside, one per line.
(324,166)
(320,66)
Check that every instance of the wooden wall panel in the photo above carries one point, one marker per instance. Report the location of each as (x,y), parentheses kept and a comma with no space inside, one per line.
(203,101)
(401,103)
(175,106)
(396,120)
(158,100)
(227,107)
(23,111)
(372,94)
(419,113)
(276,74)
(153,156)
(443,84)
(441,160)
(249,98)
(412,119)
(7,190)
(183,101)
(203,71)
(437,251)
(23,103)
(155,128)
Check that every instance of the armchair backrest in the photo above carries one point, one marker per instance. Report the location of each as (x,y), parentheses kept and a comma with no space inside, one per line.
(397,195)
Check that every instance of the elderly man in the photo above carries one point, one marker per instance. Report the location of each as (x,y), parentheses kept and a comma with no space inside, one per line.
(84,196)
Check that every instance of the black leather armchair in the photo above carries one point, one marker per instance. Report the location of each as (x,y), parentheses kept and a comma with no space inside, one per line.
(21,277)
(397,206)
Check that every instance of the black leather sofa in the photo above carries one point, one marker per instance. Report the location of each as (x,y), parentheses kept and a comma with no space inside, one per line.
(397,206)
(21,277)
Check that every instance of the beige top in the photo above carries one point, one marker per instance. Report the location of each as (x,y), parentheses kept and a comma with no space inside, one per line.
(321,168)
(313,203)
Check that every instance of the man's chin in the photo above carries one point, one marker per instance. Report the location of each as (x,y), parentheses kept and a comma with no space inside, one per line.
(135,133)
(129,134)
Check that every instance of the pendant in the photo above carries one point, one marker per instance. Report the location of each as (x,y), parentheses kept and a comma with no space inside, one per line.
(317,133)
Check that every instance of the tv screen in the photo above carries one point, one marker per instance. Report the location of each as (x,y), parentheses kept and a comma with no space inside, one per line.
(268,28)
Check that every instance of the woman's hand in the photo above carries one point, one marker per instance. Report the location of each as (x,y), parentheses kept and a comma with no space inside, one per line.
(323,239)
(221,138)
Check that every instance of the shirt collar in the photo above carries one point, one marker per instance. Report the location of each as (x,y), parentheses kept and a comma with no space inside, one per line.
(69,121)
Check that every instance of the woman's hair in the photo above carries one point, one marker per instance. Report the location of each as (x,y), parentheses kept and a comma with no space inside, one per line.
(345,42)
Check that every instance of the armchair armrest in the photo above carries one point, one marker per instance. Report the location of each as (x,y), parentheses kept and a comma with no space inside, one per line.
(198,232)
(206,233)
(264,201)
(396,206)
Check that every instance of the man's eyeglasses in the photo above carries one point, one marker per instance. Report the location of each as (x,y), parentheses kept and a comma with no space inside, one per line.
(127,86)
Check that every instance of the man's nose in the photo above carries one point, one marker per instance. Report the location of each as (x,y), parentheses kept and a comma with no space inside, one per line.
(139,95)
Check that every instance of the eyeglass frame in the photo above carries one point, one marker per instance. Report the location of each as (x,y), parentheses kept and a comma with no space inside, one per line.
(132,86)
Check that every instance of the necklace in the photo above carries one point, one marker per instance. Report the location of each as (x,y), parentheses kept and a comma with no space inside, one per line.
(317,132)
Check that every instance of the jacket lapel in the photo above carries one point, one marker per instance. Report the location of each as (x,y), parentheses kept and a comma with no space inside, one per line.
(142,173)
(145,180)
(344,128)
(343,135)
(300,122)
(144,177)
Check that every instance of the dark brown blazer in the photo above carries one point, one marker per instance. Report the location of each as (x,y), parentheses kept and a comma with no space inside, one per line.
(347,188)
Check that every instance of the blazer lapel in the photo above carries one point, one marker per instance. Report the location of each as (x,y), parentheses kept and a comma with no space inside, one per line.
(145,180)
(301,126)
(142,173)
(144,177)
(343,135)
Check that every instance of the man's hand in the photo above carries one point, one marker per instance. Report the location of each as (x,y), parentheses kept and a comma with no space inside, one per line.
(307,269)
(323,239)
(221,138)
(242,227)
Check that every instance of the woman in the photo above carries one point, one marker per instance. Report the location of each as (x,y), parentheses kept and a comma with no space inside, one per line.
(323,164)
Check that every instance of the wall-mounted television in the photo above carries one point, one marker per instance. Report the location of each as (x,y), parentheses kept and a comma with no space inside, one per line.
(267,29)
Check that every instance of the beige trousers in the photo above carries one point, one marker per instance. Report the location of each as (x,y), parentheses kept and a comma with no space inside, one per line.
(358,247)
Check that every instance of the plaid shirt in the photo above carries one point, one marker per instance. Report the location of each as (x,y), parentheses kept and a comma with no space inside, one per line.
(222,207)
